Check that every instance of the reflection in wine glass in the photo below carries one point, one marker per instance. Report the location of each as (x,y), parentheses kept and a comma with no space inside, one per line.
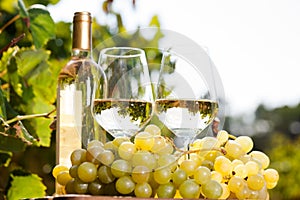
(128,103)
(183,102)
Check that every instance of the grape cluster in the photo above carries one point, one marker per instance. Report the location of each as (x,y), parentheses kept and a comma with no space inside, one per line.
(151,166)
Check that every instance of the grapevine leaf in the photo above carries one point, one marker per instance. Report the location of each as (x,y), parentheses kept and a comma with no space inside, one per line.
(24,134)
(40,78)
(5,158)
(10,143)
(42,129)
(29,59)
(2,106)
(30,186)
(42,26)
(23,11)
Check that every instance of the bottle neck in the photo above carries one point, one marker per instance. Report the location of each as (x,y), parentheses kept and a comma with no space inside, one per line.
(82,35)
(81,53)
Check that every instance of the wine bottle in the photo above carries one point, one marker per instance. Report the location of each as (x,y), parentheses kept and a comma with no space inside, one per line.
(78,82)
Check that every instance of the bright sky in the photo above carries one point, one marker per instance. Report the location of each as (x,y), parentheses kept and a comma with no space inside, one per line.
(255,44)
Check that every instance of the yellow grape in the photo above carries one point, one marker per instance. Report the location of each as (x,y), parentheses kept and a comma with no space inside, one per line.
(252,168)
(144,141)
(153,129)
(223,165)
(240,171)
(271,175)
(262,157)
(236,184)
(57,169)
(246,142)
(222,137)
(256,182)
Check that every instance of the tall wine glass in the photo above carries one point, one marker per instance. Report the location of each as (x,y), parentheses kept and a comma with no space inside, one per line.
(127,106)
(184,102)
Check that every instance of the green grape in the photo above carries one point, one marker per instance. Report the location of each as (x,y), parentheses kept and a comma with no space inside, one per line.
(80,187)
(167,149)
(159,144)
(92,154)
(105,175)
(217,176)
(256,182)
(236,184)
(95,143)
(179,176)
(271,175)
(163,175)
(222,137)
(202,175)
(106,157)
(246,142)
(57,169)
(240,170)
(189,189)
(233,149)
(223,165)
(145,158)
(63,177)
(209,143)
(252,168)
(153,129)
(210,155)
(73,171)
(69,188)
(119,140)
(111,146)
(78,156)
(226,191)
(167,190)
(125,185)
(212,189)
(262,157)
(236,162)
(120,168)
(207,163)
(188,166)
(166,160)
(244,193)
(87,172)
(143,190)
(140,174)
(126,150)
(271,185)
(94,188)
(144,140)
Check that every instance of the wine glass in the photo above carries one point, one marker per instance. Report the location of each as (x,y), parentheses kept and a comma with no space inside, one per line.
(184,102)
(127,107)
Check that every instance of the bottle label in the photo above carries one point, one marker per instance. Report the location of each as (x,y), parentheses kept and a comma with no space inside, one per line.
(70,124)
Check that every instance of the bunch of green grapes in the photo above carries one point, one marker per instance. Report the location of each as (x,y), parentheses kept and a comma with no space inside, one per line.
(151,166)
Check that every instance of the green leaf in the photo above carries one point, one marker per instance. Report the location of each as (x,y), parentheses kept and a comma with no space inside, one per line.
(41,125)
(23,11)
(26,187)
(44,82)
(29,59)
(2,106)
(10,143)
(42,26)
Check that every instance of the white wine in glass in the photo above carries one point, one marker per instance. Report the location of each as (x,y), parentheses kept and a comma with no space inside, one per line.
(183,102)
(127,107)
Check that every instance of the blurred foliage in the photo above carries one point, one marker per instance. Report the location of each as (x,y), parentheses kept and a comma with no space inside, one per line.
(31,58)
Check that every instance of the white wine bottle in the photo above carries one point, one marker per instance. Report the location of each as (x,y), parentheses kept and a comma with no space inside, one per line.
(78,82)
